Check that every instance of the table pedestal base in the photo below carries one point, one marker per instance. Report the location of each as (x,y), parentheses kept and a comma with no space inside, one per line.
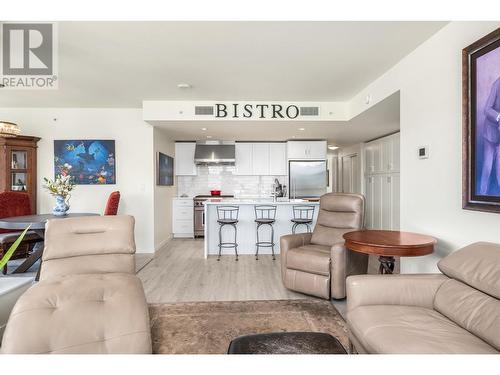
(386,265)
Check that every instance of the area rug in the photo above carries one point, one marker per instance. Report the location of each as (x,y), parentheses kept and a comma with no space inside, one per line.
(209,327)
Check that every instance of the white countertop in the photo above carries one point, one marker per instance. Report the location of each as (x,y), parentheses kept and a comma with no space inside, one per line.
(236,201)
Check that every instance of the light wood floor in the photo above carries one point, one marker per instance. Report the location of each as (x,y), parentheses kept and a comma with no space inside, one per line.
(180,273)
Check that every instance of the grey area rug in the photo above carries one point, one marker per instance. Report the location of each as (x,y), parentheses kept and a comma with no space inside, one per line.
(209,327)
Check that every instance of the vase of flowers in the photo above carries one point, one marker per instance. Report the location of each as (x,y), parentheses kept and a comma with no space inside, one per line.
(60,188)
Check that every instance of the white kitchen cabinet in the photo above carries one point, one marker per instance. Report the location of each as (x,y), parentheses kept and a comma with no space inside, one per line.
(260,159)
(182,217)
(244,159)
(277,159)
(382,183)
(184,159)
(382,155)
(260,156)
(300,150)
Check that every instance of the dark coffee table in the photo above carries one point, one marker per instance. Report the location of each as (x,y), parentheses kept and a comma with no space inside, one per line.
(286,343)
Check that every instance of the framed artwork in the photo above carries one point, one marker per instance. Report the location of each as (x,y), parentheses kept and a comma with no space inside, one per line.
(165,170)
(89,162)
(481,124)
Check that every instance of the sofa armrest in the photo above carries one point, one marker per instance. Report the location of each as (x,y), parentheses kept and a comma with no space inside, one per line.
(291,241)
(406,289)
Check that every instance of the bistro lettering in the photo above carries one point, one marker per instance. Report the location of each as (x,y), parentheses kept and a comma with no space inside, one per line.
(270,111)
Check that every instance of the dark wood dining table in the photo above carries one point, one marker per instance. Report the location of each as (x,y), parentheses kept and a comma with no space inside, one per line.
(36,223)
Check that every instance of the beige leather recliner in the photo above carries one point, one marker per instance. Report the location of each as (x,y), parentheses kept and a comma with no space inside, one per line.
(454,312)
(89,299)
(317,263)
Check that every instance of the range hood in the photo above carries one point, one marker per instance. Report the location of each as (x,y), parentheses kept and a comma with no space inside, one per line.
(214,154)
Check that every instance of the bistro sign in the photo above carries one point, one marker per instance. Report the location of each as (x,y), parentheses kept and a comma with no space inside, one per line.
(260,111)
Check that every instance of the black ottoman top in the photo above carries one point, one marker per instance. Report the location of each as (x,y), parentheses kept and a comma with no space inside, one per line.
(287,343)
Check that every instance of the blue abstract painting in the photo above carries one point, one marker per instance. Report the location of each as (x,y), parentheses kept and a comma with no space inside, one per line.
(89,162)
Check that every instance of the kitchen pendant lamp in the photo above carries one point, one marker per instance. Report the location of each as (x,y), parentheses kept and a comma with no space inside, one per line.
(9,129)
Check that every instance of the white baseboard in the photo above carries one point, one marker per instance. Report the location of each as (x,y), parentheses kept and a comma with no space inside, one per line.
(163,243)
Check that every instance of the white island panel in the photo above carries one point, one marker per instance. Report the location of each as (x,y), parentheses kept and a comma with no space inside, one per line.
(247,228)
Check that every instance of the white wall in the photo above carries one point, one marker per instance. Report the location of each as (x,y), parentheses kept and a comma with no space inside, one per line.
(134,164)
(429,80)
(162,194)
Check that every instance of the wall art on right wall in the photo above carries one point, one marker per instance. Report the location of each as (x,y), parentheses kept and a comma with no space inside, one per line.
(481,124)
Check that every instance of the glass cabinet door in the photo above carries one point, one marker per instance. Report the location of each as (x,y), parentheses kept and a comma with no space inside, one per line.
(19,159)
(19,181)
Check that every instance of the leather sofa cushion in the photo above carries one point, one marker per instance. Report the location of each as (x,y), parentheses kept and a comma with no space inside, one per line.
(86,236)
(310,258)
(308,283)
(338,214)
(80,314)
(327,236)
(477,265)
(475,311)
(396,329)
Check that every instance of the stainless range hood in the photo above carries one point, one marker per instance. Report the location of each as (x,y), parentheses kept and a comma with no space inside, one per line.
(214,154)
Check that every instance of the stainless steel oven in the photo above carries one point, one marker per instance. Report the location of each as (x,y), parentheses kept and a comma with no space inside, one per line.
(199,212)
(199,217)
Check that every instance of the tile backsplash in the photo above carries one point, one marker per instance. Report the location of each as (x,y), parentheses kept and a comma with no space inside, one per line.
(222,177)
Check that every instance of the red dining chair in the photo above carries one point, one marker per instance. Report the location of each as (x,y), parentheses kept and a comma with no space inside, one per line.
(113,202)
(15,204)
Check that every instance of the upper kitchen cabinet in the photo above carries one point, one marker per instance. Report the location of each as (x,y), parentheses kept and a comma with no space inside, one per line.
(184,159)
(277,159)
(244,159)
(261,159)
(382,155)
(303,150)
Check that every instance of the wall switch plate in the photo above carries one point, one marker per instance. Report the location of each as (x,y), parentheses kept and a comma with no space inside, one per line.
(423,152)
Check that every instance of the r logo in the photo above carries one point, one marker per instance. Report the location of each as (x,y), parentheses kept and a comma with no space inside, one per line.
(27,49)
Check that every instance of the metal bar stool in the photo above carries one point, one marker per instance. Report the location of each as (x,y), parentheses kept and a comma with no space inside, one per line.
(265,215)
(227,215)
(302,215)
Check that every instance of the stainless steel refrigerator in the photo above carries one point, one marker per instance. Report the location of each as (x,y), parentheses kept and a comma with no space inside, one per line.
(307,179)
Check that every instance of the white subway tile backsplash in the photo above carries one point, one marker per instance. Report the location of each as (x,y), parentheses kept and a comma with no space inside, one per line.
(222,177)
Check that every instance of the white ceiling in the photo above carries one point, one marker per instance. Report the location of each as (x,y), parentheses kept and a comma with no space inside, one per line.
(119,64)
(379,120)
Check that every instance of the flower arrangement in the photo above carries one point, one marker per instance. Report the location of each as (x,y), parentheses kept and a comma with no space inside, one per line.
(60,188)
(62,184)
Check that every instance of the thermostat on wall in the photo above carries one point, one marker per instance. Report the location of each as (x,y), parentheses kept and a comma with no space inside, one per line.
(423,152)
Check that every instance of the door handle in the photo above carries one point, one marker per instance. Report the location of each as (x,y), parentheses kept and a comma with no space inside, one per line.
(203,218)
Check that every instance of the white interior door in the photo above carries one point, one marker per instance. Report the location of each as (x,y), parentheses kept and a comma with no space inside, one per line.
(351,182)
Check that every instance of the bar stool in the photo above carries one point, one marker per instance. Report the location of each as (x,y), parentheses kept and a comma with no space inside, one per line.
(265,215)
(227,215)
(302,215)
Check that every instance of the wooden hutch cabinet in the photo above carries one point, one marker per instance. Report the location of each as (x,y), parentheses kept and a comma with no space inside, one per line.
(18,165)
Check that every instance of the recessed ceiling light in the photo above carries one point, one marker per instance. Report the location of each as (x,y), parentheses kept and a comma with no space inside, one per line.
(204,129)
(302,129)
(209,136)
(332,147)
(184,86)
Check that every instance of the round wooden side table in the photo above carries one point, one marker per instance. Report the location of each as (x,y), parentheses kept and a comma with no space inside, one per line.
(389,244)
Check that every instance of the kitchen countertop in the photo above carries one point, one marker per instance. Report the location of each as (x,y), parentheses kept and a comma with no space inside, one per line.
(238,201)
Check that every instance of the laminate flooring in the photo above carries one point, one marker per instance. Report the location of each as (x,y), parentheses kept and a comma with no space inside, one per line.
(180,273)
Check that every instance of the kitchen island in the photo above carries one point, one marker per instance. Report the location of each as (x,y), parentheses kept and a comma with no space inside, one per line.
(247,228)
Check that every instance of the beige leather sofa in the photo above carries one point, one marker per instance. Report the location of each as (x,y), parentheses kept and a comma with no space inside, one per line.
(454,312)
(317,263)
(89,299)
